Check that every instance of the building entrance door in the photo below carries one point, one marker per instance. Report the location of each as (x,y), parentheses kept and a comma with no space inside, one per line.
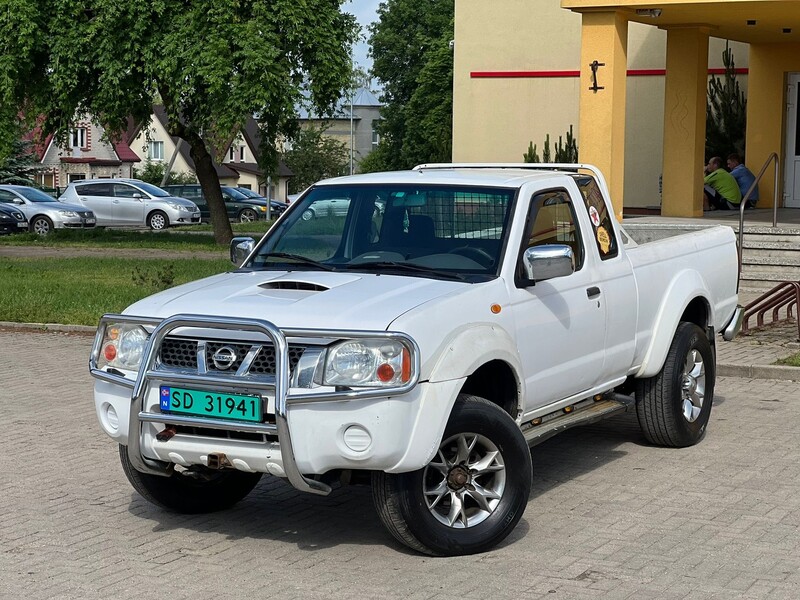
(792,153)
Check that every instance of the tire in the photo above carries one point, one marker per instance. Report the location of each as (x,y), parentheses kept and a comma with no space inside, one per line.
(248,215)
(210,492)
(476,429)
(308,215)
(674,406)
(41,225)
(157,220)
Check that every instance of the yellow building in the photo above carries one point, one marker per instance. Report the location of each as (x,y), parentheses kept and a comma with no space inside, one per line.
(631,77)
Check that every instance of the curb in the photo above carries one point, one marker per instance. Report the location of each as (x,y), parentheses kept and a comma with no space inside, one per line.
(759,372)
(48,327)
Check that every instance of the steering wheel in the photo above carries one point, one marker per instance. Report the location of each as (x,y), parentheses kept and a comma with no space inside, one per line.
(479,255)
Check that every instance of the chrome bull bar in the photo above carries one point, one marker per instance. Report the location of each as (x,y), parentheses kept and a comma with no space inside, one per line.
(280,386)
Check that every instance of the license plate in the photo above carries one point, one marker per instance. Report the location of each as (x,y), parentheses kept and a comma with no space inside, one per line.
(22,224)
(216,405)
(90,221)
(196,215)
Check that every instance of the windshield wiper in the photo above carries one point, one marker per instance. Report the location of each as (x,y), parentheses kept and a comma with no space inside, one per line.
(389,265)
(299,258)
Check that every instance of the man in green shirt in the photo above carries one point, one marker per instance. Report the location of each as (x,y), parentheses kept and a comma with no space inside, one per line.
(721,192)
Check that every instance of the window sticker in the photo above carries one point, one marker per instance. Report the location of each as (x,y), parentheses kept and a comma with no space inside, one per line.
(595,217)
(603,239)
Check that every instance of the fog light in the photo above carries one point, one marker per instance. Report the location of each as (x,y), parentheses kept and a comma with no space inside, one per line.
(111,418)
(357,438)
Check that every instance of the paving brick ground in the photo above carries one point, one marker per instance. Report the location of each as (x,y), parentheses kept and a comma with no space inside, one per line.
(609,516)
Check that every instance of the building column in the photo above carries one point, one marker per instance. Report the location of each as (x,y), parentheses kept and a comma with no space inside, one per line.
(684,122)
(604,44)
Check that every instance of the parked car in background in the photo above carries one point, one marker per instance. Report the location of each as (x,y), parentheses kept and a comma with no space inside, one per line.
(240,208)
(43,212)
(130,202)
(12,220)
(276,206)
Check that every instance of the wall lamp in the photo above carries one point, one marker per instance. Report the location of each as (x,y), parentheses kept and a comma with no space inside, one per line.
(648,12)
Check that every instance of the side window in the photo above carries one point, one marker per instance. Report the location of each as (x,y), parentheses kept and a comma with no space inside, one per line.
(552,221)
(598,215)
(7,197)
(96,189)
(125,191)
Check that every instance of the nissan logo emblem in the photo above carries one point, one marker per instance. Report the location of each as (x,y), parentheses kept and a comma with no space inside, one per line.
(224,358)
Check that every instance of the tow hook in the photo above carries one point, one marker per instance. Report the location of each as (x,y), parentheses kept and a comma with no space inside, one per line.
(166,434)
(218,460)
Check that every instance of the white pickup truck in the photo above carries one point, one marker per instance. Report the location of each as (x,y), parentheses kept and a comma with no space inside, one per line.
(422,340)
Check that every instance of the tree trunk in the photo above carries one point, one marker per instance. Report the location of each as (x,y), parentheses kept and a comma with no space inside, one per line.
(209,183)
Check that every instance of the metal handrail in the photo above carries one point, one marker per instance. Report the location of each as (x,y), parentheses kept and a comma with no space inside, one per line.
(774,156)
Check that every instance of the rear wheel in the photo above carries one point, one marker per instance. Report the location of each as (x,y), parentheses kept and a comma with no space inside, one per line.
(157,220)
(41,225)
(190,492)
(674,406)
(473,492)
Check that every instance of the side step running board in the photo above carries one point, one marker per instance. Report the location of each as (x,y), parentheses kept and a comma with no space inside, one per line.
(582,413)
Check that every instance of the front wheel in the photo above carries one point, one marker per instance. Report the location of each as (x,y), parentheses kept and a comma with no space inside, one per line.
(190,492)
(473,492)
(248,215)
(157,220)
(674,406)
(41,225)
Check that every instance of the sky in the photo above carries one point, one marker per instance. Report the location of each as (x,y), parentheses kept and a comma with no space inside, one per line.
(365,12)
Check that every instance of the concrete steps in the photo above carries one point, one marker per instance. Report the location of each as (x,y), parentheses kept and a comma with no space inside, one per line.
(769,256)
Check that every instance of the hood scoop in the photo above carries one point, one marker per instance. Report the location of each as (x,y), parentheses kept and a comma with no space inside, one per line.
(284,284)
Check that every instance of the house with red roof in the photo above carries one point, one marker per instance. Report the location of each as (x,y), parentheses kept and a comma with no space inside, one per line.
(88,154)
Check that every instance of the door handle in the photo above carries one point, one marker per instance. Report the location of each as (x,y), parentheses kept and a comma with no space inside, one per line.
(593,292)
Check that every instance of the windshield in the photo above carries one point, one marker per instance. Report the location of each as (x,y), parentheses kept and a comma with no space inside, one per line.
(234,193)
(35,195)
(248,193)
(152,190)
(433,230)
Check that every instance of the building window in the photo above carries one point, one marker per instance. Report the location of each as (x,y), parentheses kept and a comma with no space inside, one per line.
(78,137)
(241,153)
(232,153)
(155,150)
(376,137)
(76,177)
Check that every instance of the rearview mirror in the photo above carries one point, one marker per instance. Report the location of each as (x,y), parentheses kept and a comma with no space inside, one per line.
(548,261)
(241,247)
(137,195)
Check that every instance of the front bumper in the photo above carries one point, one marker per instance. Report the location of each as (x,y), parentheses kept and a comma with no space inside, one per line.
(324,430)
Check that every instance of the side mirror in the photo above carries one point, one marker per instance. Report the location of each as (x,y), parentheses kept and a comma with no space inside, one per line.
(137,195)
(548,261)
(241,247)
(18,201)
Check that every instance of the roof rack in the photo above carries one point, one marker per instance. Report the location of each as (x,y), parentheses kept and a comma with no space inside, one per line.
(571,167)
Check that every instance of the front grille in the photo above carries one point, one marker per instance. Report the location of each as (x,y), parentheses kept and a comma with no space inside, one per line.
(86,214)
(181,353)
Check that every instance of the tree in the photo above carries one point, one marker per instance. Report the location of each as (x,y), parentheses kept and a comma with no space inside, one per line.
(726,112)
(212,63)
(314,156)
(19,166)
(412,58)
(566,152)
(153,172)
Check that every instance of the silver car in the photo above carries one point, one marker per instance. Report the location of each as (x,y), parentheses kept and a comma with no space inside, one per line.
(131,203)
(43,212)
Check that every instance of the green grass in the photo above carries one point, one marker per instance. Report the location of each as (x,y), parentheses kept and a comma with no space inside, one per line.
(257,227)
(792,361)
(79,290)
(174,239)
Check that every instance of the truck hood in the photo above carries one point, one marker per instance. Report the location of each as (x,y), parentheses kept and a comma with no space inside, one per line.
(299,299)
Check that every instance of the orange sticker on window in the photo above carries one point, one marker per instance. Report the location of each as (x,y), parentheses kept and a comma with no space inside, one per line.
(603,239)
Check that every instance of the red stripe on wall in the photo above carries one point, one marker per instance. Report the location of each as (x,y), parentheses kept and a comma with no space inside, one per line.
(551,74)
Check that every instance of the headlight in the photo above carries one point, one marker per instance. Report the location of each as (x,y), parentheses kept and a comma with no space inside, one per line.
(262,208)
(123,345)
(67,213)
(175,206)
(18,216)
(367,363)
